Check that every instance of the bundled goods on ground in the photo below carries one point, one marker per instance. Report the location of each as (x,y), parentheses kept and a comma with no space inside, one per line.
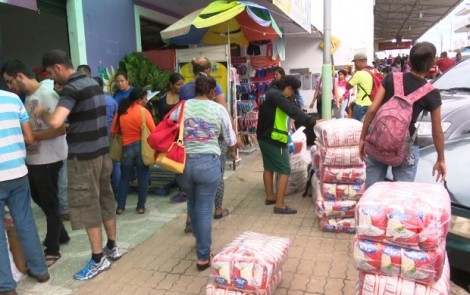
(340,173)
(298,160)
(400,239)
(250,264)
(405,214)
(374,284)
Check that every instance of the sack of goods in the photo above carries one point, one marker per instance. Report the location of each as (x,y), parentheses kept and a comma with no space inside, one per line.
(298,161)
(340,173)
(373,284)
(251,264)
(401,233)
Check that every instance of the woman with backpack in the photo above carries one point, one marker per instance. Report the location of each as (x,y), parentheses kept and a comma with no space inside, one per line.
(388,135)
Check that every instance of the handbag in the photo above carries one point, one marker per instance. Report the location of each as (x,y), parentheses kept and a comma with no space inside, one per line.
(115,146)
(166,131)
(148,154)
(174,159)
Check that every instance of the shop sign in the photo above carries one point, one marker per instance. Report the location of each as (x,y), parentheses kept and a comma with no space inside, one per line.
(30,4)
(298,10)
(393,45)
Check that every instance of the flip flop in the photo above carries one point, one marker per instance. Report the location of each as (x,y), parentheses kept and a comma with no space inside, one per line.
(51,259)
(224,213)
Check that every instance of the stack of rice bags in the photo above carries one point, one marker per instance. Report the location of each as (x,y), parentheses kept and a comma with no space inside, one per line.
(251,264)
(399,246)
(340,173)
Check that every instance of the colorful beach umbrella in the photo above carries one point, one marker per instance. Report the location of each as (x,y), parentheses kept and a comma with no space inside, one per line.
(223,22)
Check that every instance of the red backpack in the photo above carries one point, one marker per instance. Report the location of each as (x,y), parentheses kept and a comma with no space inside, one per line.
(377,78)
(388,140)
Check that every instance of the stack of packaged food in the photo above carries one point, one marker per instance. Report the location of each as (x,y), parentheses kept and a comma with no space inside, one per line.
(340,173)
(251,264)
(399,246)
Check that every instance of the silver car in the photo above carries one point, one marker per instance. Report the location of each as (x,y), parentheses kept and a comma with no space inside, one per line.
(454,86)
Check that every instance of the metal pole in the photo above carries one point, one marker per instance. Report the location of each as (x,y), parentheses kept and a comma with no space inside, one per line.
(327,87)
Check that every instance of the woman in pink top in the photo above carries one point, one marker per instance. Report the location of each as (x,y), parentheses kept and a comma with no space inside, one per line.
(341,99)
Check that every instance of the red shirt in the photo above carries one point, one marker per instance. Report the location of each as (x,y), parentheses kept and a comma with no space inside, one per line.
(445,63)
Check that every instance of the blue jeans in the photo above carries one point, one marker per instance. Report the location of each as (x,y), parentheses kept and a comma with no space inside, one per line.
(16,195)
(359,112)
(62,186)
(199,182)
(116,176)
(376,171)
(132,158)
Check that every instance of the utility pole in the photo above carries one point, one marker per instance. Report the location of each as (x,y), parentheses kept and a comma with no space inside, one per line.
(326,76)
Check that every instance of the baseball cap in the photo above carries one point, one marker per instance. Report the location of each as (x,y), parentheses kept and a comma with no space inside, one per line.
(54,57)
(359,56)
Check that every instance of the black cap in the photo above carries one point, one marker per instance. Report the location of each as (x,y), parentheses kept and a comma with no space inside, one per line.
(54,57)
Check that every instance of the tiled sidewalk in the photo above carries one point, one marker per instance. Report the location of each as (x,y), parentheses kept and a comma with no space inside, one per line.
(161,258)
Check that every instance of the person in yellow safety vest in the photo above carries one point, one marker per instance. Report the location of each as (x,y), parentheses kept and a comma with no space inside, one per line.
(272,134)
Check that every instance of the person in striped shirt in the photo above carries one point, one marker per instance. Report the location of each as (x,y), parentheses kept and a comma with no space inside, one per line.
(15,133)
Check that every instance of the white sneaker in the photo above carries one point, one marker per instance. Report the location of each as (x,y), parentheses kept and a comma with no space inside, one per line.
(113,253)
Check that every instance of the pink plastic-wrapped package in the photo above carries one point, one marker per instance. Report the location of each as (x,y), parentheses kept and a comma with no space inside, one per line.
(335,192)
(212,289)
(341,192)
(338,225)
(330,209)
(412,264)
(340,156)
(315,155)
(373,284)
(340,132)
(249,262)
(343,174)
(404,213)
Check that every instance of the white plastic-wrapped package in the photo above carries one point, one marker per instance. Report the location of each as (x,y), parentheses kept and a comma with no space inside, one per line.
(341,192)
(249,263)
(338,225)
(212,289)
(343,174)
(297,163)
(330,209)
(373,284)
(296,182)
(299,140)
(412,264)
(340,156)
(340,132)
(404,213)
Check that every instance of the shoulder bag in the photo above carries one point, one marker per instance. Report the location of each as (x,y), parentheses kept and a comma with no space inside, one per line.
(115,146)
(166,132)
(148,153)
(174,159)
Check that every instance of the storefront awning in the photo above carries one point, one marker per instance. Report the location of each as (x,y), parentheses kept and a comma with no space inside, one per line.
(30,4)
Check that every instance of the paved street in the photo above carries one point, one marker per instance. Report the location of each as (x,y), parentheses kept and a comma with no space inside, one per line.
(160,258)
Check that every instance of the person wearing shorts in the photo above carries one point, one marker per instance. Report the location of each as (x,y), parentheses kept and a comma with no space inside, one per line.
(272,134)
(91,198)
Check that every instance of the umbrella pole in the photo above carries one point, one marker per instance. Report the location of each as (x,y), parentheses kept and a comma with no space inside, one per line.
(327,81)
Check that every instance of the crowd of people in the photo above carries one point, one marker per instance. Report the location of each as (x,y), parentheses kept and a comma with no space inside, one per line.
(55,147)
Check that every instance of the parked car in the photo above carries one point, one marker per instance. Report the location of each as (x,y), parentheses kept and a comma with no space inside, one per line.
(457,153)
(454,86)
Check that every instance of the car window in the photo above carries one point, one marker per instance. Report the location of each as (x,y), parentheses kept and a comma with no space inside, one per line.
(456,77)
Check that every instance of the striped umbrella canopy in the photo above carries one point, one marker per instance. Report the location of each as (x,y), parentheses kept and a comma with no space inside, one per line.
(223,22)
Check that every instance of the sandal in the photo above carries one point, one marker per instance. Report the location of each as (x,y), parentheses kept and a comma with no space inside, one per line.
(119,211)
(204,266)
(140,210)
(224,213)
(51,259)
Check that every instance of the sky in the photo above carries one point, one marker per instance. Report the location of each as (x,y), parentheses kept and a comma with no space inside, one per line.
(442,34)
